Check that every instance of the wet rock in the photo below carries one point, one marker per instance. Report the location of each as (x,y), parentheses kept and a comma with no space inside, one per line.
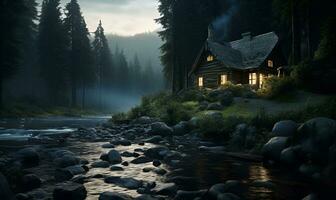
(83,161)
(129,183)
(30,182)
(182,180)
(81,179)
(63,175)
(121,142)
(157,152)
(189,195)
(125,163)
(289,157)
(76,169)
(69,191)
(212,149)
(156,163)
(38,194)
(66,161)
(116,168)
(141,160)
(225,98)
(227,196)
(148,169)
(273,148)
(147,197)
(129,154)
(28,157)
(168,189)
(100,164)
(5,191)
(155,139)
(285,128)
(311,197)
(160,128)
(265,184)
(215,106)
(181,128)
(232,186)
(108,146)
(309,169)
(114,157)
(22,196)
(160,171)
(143,120)
(114,196)
(104,157)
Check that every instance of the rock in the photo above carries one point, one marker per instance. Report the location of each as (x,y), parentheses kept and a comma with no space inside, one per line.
(114,157)
(244,137)
(104,157)
(114,196)
(225,98)
(160,171)
(22,196)
(227,196)
(108,146)
(215,106)
(147,197)
(100,164)
(116,168)
(232,186)
(125,163)
(160,128)
(69,191)
(289,157)
(311,197)
(182,180)
(181,128)
(28,157)
(38,194)
(309,170)
(5,191)
(129,154)
(66,161)
(79,179)
(285,128)
(155,139)
(121,142)
(189,195)
(141,160)
(265,184)
(156,163)
(158,152)
(203,105)
(215,149)
(168,189)
(76,169)
(143,120)
(129,183)
(193,122)
(63,175)
(148,169)
(273,148)
(30,182)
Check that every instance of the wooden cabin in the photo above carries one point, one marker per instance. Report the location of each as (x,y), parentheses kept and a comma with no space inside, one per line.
(246,61)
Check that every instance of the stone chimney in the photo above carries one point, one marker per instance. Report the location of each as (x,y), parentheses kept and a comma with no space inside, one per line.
(247,36)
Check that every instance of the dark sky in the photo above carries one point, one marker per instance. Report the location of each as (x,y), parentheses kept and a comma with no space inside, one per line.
(123,17)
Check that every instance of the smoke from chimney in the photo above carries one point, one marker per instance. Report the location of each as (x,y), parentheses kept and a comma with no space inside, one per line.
(221,24)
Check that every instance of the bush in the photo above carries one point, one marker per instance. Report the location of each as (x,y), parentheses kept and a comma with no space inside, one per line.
(119,117)
(192,95)
(276,87)
(239,90)
(175,112)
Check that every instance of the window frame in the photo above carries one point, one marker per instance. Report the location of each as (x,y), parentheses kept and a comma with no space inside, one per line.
(223,81)
(253,78)
(270,63)
(210,58)
(200,81)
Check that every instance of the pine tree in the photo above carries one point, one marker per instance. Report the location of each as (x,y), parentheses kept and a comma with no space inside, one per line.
(11,13)
(52,48)
(80,53)
(135,74)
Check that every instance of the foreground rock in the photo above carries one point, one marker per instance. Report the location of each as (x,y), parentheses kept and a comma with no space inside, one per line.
(129,183)
(160,128)
(5,191)
(69,191)
(168,189)
(273,148)
(114,157)
(28,157)
(114,196)
(285,128)
(232,186)
(30,182)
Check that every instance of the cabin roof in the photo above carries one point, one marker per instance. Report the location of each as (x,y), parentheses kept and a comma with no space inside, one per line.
(246,53)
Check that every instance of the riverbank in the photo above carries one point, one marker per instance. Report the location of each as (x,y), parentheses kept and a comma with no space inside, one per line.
(141,160)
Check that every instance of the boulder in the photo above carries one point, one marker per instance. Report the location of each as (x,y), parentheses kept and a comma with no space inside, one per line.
(158,152)
(114,196)
(28,156)
(141,160)
(226,98)
(286,128)
(30,182)
(122,142)
(116,168)
(203,105)
(69,191)
(114,157)
(160,128)
(215,106)
(262,183)
(143,120)
(155,139)
(5,191)
(76,169)
(273,148)
(181,128)
(156,163)
(193,122)
(129,154)
(62,175)
(100,164)
(168,189)
(160,171)
(108,146)
(231,186)
(228,196)
(129,183)
(289,157)
(66,161)
(189,195)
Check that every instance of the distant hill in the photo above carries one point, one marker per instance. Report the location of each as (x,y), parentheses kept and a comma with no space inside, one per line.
(145,45)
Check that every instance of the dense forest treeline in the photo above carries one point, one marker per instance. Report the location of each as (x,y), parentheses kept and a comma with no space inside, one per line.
(306,29)
(50,58)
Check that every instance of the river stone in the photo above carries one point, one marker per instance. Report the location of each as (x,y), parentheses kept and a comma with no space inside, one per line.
(189,195)
(100,164)
(129,183)
(28,156)
(155,139)
(262,183)
(160,171)
(273,148)
(141,160)
(108,146)
(215,106)
(114,157)
(181,128)
(122,142)
(66,161)
(231,186)
(63,175)
(158,152)
(285,128)
(289,157)
(168,189)
(116,168)
(76,169)
(30,182)
(156,163)
(160,128)
(147,197)
(69,191)
(114,196)
(5,191)
(227,196)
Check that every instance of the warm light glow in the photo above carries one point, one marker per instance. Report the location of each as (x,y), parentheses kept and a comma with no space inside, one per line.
(210,58)
(261,80)
(253,78)
(270,63)
(200,81)
(223,79)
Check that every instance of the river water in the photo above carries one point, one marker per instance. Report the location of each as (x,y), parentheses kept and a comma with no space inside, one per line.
(204,168)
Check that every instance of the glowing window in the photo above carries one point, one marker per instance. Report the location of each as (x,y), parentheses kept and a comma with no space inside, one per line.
(253,78)
(210,58)
(200,81)
(261,80)
(270,63)
(223,79)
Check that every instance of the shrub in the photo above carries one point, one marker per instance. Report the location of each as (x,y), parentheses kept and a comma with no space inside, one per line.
(175,112)
(192,95)
(238,90)
(119,117)
(276,87)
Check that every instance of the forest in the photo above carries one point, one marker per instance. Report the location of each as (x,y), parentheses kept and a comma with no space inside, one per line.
(50,59)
